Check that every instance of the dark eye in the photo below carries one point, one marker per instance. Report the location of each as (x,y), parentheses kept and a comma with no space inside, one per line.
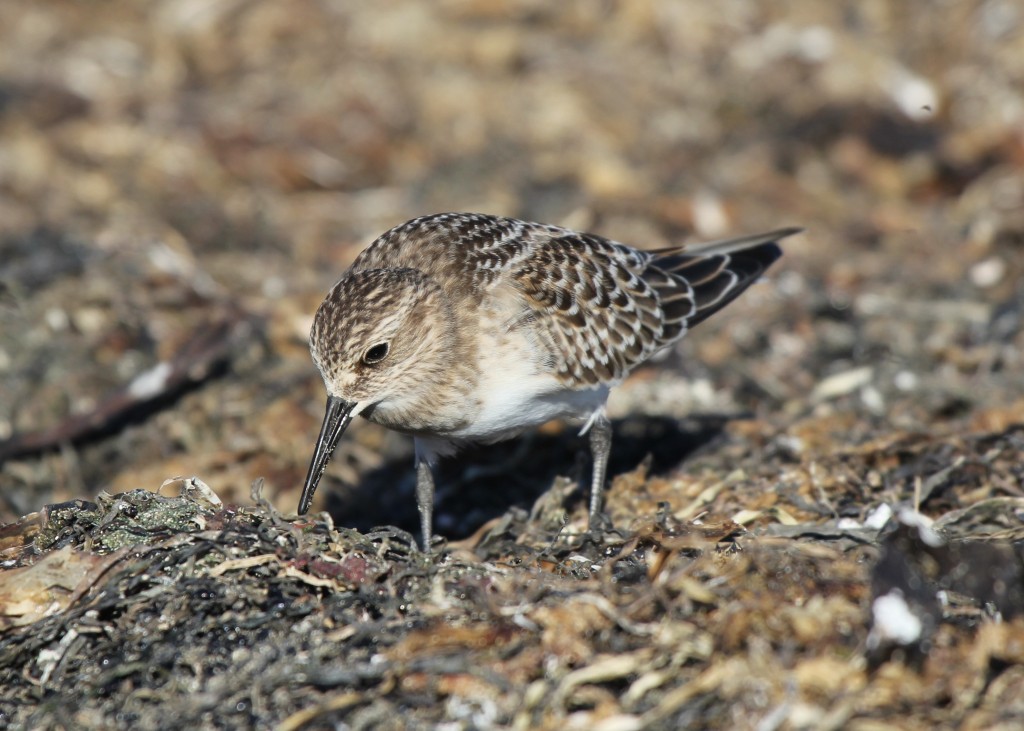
(376,354)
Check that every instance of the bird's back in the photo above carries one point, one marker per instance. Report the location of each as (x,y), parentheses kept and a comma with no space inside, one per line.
(595,308)
(462,251)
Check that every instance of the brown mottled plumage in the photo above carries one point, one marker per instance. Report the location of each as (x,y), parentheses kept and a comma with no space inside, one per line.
(462,327)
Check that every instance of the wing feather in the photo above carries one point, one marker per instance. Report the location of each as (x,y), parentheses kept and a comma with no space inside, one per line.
(595,308)
(604,308)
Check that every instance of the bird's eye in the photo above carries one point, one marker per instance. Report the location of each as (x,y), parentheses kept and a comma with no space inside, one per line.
(376,354)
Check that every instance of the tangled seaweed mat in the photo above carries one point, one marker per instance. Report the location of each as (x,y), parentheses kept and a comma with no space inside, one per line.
(147,612)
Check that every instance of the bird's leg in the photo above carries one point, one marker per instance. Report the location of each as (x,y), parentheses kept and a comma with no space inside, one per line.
(600,448)
(425,499)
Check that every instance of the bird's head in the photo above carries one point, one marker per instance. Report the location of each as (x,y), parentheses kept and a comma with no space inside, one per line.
(380,339)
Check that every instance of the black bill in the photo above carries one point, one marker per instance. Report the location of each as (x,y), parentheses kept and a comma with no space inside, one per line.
(336,420)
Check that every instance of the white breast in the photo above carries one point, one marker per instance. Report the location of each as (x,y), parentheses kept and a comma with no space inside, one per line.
(513,394)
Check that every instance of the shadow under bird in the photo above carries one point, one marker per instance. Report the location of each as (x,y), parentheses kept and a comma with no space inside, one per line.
(459,328)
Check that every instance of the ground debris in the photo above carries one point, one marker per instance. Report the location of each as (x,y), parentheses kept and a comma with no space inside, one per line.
(181,185)
(150,605)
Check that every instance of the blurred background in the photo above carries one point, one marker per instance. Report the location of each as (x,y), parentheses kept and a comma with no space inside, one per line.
(182,181)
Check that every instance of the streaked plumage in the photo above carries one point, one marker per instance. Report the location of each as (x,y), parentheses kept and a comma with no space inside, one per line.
(461,328)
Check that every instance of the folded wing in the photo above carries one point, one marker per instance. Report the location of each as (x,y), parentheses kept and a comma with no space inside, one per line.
(599,308)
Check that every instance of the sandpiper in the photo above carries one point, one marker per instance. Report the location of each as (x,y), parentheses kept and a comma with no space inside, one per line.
(464,327)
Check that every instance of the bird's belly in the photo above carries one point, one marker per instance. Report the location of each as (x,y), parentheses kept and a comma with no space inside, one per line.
(515,389)
(507,406)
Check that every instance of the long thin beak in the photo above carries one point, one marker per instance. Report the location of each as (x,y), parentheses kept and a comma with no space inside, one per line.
(336,420)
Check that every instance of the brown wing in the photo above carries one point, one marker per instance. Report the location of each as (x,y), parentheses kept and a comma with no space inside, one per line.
(597,308)
(601,308)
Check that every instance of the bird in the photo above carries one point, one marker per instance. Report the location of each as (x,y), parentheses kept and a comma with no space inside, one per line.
(461,328)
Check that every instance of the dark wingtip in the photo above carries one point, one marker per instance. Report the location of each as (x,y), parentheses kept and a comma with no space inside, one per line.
(765,254)
(746,265)
(786,232)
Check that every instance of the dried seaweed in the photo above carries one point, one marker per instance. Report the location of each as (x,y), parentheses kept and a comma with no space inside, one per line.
(181,186)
